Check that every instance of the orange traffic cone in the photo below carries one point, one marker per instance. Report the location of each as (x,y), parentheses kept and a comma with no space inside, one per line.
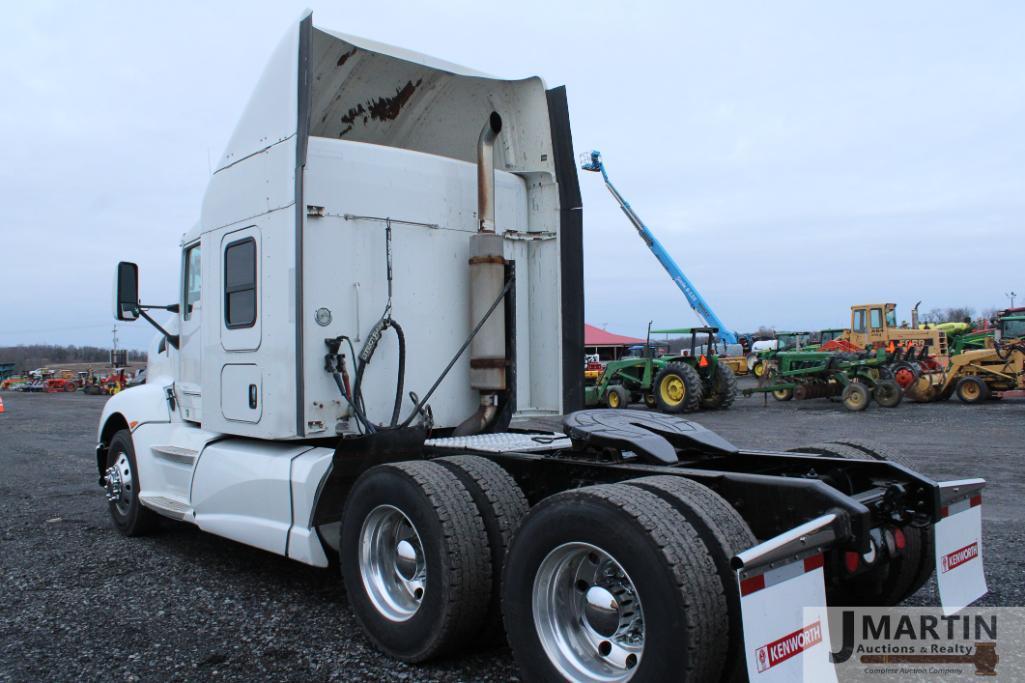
(1,404)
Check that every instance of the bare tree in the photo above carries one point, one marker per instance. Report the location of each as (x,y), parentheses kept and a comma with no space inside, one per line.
(32,356)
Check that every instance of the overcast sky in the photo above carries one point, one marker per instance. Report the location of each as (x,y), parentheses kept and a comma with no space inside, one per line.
(794,158)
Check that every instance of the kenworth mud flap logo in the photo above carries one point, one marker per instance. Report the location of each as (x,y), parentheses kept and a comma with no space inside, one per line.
(789,645)
(959,557)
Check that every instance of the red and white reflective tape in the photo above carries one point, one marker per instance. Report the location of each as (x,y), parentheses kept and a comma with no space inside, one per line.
(778,575)
(961,506)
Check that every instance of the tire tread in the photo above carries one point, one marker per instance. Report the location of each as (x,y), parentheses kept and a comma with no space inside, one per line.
(502,506)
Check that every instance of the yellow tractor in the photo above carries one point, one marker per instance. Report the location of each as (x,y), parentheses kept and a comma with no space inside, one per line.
(974,376)
(874,326)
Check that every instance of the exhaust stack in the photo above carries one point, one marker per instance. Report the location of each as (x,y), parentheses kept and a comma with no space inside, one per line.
(487,279)
(486,173)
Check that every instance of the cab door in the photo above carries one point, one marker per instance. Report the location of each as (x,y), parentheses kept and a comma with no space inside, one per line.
(190,374)
(241,376)
(859,327)
(877,331)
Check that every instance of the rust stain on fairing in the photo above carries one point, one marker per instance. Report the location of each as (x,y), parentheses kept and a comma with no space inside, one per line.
(345,56)
(380,109)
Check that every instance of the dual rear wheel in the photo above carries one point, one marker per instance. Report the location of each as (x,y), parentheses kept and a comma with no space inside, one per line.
(607,582)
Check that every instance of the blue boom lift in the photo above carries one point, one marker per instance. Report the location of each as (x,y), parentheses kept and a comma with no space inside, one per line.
(696,301)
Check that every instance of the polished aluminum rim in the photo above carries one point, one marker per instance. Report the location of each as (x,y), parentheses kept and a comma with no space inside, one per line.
(588,614)
(120,484)
(392,563)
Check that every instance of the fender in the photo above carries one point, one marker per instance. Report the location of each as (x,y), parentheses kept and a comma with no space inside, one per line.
(130,408)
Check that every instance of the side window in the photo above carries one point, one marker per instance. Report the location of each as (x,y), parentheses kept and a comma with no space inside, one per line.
(192,281)
(859,320)
(891,318)
(877,319)
(240,284)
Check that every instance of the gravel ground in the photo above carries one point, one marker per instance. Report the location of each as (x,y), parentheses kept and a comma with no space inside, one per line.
(78,602)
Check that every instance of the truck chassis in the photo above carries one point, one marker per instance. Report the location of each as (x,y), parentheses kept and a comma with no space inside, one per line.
(586,547)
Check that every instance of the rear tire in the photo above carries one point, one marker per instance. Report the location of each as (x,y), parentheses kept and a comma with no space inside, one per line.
(502,506)
(855,397)
(972,389)
(123,488)
(723,390)
(415,559)
(658,570)
(678,388)
(904,373)
(725,534)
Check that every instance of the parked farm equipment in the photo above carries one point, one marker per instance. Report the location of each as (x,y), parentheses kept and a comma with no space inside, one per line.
(975,376)
(673,383)
(59,385)
(804,375)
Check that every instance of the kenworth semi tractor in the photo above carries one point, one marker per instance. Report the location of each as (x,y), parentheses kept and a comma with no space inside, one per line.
(386,272)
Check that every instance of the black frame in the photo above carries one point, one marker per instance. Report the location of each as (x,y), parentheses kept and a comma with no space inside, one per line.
(232,290)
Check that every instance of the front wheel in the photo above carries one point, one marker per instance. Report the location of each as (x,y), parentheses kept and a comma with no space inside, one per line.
(855,397)
(887,393)
(121,481)
(972,389)
(616,397)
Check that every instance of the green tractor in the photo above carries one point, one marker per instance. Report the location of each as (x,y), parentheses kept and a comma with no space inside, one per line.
(671,383)
(1006,327)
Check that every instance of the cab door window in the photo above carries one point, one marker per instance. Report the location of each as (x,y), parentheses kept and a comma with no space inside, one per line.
(877,318)
(240,284)
(192,281)
(859,320)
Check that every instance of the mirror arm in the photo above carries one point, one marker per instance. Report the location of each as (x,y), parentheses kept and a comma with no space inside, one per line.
(172,308)
(172,339)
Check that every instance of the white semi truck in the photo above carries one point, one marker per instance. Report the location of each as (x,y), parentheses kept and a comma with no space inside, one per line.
(383,222)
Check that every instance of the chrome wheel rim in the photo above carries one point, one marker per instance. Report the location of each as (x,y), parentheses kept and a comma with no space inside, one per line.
(392,563)
(588,614)
(120,484)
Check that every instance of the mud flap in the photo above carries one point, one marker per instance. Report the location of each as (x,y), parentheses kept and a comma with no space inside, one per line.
(783,605)
(959,569)
(786,630)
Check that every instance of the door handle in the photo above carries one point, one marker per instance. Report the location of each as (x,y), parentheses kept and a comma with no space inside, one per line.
(252,396)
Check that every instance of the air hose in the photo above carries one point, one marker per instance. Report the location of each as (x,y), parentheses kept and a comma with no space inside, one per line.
(335,365)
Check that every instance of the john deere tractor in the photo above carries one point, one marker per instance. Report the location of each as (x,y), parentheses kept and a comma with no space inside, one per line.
(683,383)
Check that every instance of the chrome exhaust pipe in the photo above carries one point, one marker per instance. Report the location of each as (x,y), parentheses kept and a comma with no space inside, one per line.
(486,173)
(487,280)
